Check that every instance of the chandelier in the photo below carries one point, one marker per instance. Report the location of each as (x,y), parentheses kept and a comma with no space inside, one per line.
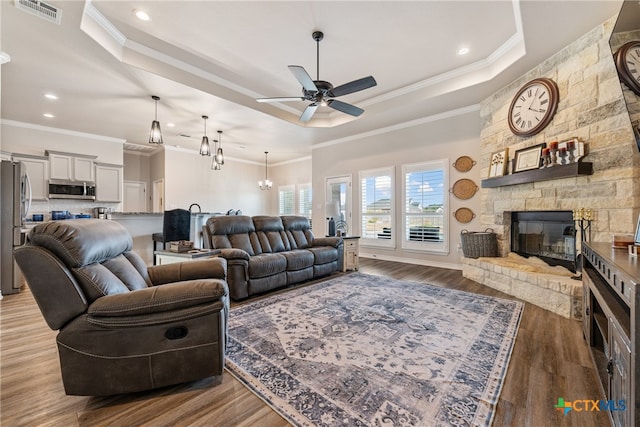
(266,184)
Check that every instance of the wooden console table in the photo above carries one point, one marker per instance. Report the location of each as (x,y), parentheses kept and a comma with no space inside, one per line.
(610,325)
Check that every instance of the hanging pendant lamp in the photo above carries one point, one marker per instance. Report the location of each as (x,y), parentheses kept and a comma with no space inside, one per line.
(214,163)
(219,155)
(266,184)
(205,148)
(155,136)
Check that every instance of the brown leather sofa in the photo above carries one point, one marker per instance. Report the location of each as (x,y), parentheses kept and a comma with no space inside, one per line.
(269,252)
(124,327)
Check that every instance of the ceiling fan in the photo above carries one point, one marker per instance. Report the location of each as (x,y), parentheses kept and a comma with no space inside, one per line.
(321,92)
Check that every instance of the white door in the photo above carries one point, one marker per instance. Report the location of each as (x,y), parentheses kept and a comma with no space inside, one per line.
(158,195)
(135,196)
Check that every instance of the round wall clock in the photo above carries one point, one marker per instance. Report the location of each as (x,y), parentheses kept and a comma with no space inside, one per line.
(628,64)
(533,107)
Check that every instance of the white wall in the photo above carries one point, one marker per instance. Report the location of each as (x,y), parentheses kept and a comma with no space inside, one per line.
(430,139)
(189,179)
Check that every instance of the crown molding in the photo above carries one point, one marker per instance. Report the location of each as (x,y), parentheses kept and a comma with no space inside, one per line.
(41,128)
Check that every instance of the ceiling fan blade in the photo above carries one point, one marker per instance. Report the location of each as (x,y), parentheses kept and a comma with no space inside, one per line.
(281,99)
(308,113)
(354,86)
(344,107)
(303,77)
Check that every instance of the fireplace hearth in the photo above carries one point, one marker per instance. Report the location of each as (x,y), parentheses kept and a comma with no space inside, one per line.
(548,235)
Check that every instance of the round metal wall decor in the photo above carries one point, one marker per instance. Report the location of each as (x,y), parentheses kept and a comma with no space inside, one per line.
(464,215)
(464,164)
(464,189)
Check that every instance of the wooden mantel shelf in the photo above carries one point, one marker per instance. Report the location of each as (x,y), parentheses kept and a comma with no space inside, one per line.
(556,172)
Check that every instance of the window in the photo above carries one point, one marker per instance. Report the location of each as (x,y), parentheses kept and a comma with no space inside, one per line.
(305,202)
(286,200)
(377,207)
(425,210)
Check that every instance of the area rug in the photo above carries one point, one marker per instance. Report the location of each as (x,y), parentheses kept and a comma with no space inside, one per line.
(362,350)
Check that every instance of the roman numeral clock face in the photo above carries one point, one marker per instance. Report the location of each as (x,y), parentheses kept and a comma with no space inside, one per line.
(628,65)
(533,107)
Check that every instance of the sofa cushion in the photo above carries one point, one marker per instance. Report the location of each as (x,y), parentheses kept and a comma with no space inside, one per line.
(324,254)
(298,231)
(233,232)
(266,265)
(298,259)
(270,233)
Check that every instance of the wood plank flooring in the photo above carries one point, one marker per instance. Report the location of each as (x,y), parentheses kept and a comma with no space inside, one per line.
(550,359)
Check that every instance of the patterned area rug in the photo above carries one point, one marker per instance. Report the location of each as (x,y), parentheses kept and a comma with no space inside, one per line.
(361,350)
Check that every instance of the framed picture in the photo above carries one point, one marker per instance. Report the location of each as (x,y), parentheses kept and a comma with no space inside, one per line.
(528,158)
(636,239)
(498,163)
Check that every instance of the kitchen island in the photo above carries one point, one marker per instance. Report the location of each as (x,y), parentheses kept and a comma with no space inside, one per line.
(141,225)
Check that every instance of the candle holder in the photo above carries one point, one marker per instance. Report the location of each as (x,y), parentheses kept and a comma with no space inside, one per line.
(562,153)
(554,156)
(545,158)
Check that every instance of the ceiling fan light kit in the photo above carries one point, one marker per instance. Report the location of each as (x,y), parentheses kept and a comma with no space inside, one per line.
(321,92)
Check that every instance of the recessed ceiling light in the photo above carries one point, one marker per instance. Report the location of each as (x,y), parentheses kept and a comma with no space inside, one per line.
(48,115)
(463,51)
(50,96)
(171,125)
(142,15)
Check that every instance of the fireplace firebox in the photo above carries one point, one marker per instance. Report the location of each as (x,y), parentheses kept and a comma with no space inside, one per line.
(548,235)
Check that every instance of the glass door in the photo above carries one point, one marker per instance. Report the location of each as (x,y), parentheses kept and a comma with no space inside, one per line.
(338,203)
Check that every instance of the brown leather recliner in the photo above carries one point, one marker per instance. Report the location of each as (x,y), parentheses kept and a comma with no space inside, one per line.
(124,327)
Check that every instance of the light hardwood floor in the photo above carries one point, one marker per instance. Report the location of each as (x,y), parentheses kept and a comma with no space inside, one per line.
(550,359)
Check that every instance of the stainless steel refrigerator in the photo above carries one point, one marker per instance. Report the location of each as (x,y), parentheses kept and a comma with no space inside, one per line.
(15,201)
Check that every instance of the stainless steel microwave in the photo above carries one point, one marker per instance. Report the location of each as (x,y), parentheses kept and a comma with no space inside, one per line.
(59,189)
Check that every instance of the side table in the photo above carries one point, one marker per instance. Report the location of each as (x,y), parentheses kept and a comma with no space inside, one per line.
(351,260)
(169,257)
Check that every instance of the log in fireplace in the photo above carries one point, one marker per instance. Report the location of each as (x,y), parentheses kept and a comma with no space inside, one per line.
(548,235)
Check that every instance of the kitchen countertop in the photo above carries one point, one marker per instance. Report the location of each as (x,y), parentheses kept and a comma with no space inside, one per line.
(160,213)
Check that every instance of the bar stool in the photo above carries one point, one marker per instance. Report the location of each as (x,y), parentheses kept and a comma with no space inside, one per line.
(176,225)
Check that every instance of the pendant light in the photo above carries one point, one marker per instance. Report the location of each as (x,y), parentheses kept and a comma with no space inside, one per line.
(214,164)
(155,136)
(205,148)
(219,155)
(266,184)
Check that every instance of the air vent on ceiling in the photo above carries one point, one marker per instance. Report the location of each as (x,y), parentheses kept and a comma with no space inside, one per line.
(41,9)
(148,149)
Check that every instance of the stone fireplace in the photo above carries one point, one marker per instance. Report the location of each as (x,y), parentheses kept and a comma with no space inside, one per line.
(592,108)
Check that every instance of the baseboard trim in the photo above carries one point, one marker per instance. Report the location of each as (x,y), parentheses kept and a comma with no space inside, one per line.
(426,263)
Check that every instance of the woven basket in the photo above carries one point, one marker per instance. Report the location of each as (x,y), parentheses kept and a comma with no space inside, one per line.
(479,243)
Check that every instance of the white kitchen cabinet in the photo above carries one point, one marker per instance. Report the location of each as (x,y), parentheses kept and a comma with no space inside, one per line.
(71,167)
(38,171)
(108,182)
